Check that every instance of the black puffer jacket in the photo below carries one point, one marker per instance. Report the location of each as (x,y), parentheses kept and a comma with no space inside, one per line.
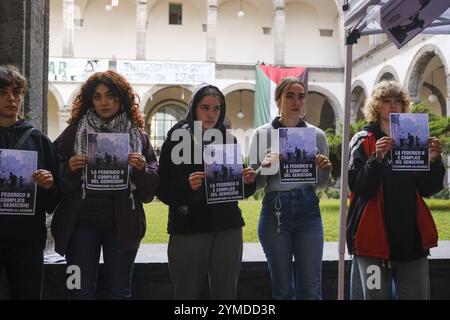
(188,211)
(24,230)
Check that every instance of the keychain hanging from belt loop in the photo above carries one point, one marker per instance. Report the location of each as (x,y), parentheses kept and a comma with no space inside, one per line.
(278,213)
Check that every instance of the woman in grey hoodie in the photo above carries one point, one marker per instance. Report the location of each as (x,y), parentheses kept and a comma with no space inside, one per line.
(290,223)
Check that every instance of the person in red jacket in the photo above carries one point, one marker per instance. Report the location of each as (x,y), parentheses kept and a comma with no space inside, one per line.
(389,227)
(87,221)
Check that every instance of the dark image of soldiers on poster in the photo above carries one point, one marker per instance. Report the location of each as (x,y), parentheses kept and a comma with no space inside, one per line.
(107,167)
(17,187)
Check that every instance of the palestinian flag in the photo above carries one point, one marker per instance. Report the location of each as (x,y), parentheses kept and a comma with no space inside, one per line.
(267,78)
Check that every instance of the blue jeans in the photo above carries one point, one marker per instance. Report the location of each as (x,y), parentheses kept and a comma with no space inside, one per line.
(300,235)
(84,251)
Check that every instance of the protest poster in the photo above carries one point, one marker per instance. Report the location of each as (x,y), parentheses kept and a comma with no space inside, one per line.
(298,155)
(107,166)
(410,134)
(17,187)
(223,167)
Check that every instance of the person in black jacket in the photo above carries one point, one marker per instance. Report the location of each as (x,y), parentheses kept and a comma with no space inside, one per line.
(23,237)
(389,228)
(87,220)
(205,239)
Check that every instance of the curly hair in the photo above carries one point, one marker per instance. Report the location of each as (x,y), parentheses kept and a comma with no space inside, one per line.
(384,89)
(120,88)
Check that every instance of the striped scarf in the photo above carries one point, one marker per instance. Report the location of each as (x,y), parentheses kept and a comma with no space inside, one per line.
(91,123)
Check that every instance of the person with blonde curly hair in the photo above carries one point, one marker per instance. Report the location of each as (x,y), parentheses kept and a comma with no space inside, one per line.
(87,221)
(389,227)
(384,89)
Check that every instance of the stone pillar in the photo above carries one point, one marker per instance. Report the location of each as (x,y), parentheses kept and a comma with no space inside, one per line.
(68,27)
(24,43)
(64,115)
(353,109)
(211,24)
(279,28)
(141,29)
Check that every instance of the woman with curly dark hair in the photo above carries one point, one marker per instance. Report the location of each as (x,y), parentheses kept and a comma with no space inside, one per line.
(87,221)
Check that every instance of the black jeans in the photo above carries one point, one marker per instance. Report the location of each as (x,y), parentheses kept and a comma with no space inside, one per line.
(24,270)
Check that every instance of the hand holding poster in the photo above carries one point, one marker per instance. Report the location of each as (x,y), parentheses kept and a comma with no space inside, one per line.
(410,134)
(298,155)
(223,168)
(17,187)
(107,167)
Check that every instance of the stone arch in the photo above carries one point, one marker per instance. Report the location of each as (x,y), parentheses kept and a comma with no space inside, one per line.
(144,105)
(358,97)
(334,102)
(163,116)
(59,99)
(240,97)
(414,75)
(387,70)
(72,96)
(362,85)
(238,86)
(163,103)
(55,105)
(440,97)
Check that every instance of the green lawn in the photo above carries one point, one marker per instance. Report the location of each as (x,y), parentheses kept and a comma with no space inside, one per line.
(156,213)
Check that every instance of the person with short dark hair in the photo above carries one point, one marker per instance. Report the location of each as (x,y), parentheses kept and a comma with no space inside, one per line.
(23,237)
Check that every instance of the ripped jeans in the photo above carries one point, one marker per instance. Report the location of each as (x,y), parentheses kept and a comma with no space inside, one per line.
(298,234)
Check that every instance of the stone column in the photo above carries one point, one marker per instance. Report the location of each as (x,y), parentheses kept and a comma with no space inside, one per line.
(211,24)
(279,28)
(353,109)
(24,43)
(141,29)
(68,27)
(64,115)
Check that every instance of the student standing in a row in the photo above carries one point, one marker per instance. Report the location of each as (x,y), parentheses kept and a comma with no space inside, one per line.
(87,221)
(23,237)
(205,239)
(388,224)
(290,225)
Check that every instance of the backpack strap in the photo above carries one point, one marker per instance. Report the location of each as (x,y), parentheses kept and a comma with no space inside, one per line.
(23,138)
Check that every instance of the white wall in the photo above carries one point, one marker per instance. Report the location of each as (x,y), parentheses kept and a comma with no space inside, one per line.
(107,34)
(304,45)
(186,42)
(55,28)
(53,118)
(241,40)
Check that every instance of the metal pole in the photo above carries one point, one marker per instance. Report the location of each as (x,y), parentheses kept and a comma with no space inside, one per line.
(344,169)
